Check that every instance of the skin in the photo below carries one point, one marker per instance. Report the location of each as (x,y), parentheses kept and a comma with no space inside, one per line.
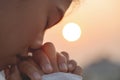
(23,23)
(22,27)
(33,66)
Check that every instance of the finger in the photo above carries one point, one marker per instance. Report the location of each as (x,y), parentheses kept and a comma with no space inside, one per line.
(14,74)
(50,51)
(30,69)
(78,70)
(42,60)
(65,54)
(62,62)
(7,72)
(72,65)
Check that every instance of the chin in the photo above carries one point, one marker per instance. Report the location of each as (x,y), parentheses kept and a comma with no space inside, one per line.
(4,63)
(3,67)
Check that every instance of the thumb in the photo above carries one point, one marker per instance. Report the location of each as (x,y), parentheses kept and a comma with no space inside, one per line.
(30,69)
(12,73)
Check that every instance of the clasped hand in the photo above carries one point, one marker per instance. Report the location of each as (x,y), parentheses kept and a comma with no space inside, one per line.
(43,61)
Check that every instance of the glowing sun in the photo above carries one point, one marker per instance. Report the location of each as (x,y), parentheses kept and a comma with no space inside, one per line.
(71,32)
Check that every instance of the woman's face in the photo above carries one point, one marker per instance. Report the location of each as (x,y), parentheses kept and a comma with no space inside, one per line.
(23,23)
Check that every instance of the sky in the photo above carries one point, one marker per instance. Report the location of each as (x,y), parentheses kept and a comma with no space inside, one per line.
(99,21)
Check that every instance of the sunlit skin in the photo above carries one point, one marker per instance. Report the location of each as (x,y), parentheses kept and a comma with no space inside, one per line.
(22,27)
(23,23)
(44,58)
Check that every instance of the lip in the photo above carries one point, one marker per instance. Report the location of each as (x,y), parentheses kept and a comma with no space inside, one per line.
(33,50)
(20,58)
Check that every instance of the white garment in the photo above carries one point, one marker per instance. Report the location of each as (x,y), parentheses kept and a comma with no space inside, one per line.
(2,76)
(54,76)
(61,76)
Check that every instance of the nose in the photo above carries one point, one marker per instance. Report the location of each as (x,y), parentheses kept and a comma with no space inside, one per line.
(37,43)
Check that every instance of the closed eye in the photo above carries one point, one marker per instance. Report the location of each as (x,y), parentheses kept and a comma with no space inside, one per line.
(54,17)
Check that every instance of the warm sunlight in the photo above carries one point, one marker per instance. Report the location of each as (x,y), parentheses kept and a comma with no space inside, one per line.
(71,32)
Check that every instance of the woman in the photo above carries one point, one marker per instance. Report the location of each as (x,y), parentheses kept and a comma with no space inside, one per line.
(22,27)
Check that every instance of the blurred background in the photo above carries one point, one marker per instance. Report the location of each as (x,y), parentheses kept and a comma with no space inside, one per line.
(97,50)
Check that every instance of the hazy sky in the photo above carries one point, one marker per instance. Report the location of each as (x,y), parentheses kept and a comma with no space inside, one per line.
(100,24)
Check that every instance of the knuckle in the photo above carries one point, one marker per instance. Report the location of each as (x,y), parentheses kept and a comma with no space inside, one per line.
(73,62)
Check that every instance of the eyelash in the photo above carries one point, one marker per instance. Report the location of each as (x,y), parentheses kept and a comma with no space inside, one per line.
(61,16)
(46,26)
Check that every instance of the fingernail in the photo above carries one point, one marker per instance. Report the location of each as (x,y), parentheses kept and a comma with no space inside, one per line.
(37,76)
(63,66)
(47,68)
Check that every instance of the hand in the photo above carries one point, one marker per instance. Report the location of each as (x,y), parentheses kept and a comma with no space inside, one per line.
(28,68)
(51,61)
(45,60)
(12,73)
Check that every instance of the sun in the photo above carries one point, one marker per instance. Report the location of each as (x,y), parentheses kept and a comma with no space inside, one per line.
(71,32)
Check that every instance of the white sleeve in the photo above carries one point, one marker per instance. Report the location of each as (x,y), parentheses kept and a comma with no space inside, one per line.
(2,76)
(54,76)
(61,76)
